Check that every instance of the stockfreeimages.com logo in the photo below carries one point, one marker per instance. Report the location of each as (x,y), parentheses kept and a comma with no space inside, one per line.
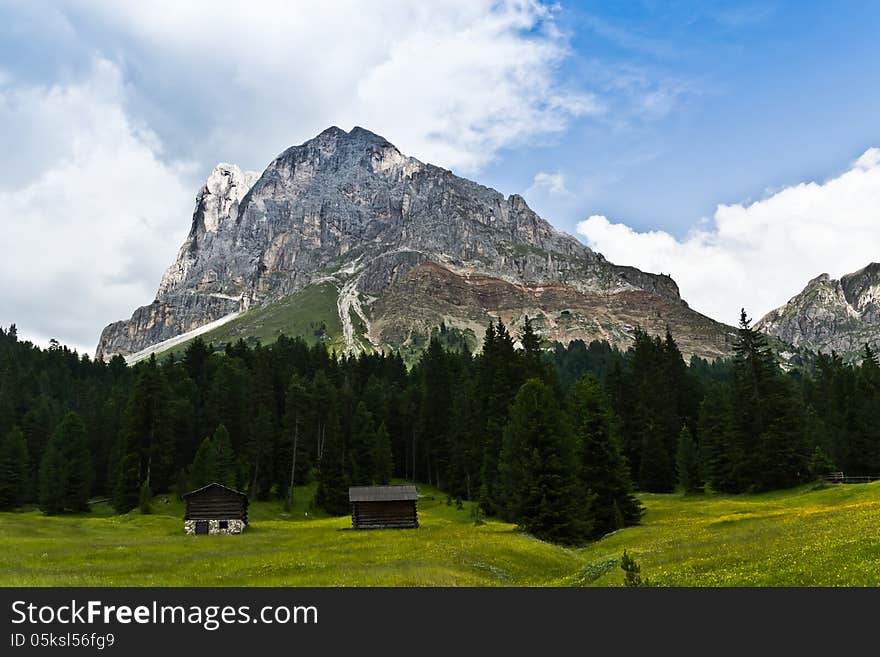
(209,617)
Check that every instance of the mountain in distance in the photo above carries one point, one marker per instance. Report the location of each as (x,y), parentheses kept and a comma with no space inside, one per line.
(831,315)
(346,240)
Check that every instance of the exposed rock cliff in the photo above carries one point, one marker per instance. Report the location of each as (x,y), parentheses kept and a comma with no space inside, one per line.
(831,315)
(407,245)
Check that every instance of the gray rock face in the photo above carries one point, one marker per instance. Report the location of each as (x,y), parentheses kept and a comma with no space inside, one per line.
(350,208)
(831,315)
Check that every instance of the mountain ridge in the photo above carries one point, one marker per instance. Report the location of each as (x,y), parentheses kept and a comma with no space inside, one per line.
(349,208)
(839,315)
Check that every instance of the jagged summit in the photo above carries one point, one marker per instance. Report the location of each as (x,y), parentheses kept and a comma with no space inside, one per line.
(831,315)
(401,247)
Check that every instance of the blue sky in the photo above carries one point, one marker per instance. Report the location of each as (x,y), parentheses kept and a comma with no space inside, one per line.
(729,144)
(757,95)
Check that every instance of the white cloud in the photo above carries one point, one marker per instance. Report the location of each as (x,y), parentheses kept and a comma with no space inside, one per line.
(548,183)
(86,235)
(759,255)
(450,82)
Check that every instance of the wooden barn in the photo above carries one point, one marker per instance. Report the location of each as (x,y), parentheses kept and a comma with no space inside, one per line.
(215,509)
(383,507)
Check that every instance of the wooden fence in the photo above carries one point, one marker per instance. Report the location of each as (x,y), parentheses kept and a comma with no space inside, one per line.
(840,478)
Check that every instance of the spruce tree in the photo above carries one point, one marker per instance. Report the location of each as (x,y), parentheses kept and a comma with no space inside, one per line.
(767,416)
(687,460)
(298,411)
(499,377)
(333,481)
(363,438)
(538,469)
(656,470)
(382,457)
(204,468)
(227,470)
(66,468)
(14,470)
(721,456)
(260,448)
(603,469)
(144,452)
(533,366)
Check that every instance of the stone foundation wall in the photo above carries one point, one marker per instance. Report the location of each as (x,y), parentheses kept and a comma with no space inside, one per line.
(233,527)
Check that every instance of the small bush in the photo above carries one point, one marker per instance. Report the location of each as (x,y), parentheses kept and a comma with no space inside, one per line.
(632,570)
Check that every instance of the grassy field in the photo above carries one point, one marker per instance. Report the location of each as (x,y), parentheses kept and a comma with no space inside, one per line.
(823,536)
(302,313)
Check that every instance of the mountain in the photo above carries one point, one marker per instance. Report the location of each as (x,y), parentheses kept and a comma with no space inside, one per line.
(345,239)
(831,315)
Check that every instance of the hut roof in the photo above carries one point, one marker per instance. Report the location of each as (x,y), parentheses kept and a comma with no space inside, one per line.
(215,485)
(382,493)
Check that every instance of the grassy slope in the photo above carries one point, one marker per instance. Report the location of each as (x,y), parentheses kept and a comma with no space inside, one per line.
(300,314)
(827,536)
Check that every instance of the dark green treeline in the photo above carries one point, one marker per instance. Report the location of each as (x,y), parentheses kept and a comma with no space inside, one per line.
(555,440)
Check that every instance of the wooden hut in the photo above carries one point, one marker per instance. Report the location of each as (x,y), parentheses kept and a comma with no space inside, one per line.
(383,507)
(215,509)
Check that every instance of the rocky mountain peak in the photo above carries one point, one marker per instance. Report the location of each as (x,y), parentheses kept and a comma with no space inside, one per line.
(830,314)
(348,210)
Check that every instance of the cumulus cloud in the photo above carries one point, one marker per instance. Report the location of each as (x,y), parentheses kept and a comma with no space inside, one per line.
(135,102)
(548,183)
(451,81)
(94,218)
(759,255)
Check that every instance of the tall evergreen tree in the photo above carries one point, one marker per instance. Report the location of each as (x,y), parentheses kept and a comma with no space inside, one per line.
(333,480)
(382,457)
(14,470)
(499,377)
(767,416)
(363,437)
(298,410)
(538,469)
(687,460)
(66,468)
(224,457)
(656,470)
(260,449)
(145,451)
(204,468)
(533,364)
(603,469)
(721,456)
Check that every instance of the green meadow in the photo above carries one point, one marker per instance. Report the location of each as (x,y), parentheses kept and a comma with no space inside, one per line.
(809,536)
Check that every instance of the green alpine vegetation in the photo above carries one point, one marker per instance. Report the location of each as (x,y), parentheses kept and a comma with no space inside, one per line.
(566,444)
(810,535)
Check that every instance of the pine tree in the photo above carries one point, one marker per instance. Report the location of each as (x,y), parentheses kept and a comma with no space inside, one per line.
(333,481)
(382,457)
(53,480)
(721,456)
(14,470)
(499,377)
(687,461)
(768,417)
(66,468)
(656,471)
(363,438)
(260,449)
(144,451)
(296,419)
(204,468)
(227,470)
(603,468)
(538,469)
(533,366)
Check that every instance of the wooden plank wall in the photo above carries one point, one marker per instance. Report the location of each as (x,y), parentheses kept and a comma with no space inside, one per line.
(215,504)
(384,515)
